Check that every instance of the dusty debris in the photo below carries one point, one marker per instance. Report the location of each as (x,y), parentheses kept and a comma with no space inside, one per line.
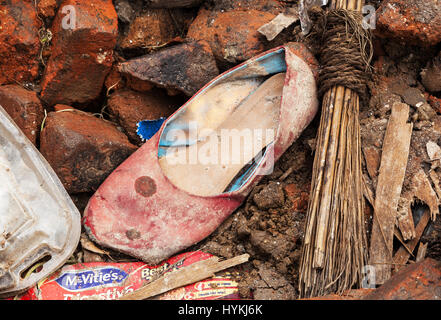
(272,196)
(431,74)
(126,13)
(390,180)
(270,225)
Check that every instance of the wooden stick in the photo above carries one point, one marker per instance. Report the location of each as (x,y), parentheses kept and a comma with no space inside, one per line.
(422,250)
(402,255)
(196,272)
(333,252)
(394,160)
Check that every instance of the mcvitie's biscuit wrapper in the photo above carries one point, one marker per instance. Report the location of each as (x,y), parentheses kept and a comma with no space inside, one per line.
(110,281)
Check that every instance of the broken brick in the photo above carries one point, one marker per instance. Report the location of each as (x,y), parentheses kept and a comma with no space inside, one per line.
(419,281)
(25,109)
(232,35)
(151,29)
(82,149)
(19,42)
(435,103)
(185,67)
(415,22)
(47,8)
(77,67)
(298,196)
(128,107)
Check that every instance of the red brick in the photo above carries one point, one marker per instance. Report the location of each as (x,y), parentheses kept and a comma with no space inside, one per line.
(82,149)
(298,196)
(25,109)
(152,28)
(232,35)
(184,67)
(419,281)
(435,103)
(77,67)
(19,42)
(128,107)
(47,8)
(411,21)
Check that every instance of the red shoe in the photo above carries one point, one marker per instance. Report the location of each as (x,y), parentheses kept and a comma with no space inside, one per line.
(182,183)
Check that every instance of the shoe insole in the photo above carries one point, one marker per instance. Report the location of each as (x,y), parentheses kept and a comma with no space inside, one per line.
(209,110)
(207,167)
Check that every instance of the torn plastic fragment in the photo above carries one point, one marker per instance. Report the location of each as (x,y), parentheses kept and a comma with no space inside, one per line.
(39,224)
(305,5)
(110,281)
(148,128)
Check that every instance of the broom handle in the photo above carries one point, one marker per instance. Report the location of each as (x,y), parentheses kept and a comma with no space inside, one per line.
(354,5)
(334,103)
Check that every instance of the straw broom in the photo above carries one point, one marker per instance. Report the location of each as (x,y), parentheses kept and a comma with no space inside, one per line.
(333,253)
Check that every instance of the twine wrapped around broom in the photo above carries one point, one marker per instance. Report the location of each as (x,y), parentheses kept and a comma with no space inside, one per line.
(333,253)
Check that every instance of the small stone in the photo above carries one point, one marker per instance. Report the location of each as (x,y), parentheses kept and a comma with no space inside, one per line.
(185,67)
(25,109)
(431,75)
(82,149)
(124,11)
(271,277)
(77,67)
(414,97)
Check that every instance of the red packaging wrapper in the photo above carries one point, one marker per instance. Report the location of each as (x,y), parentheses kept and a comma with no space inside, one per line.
(110,281)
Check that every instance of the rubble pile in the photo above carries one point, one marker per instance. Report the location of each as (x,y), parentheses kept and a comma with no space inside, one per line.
(78,76)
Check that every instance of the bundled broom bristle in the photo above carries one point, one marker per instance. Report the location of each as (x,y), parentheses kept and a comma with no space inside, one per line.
(333,254)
